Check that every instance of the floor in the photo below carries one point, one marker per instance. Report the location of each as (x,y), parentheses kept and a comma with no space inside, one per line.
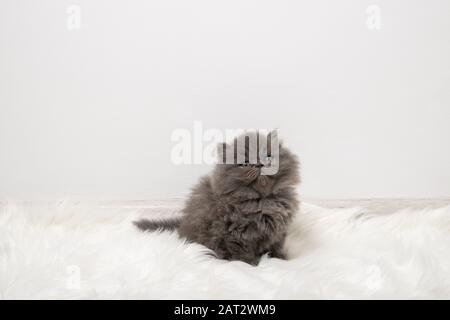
(376,205)
(67,250)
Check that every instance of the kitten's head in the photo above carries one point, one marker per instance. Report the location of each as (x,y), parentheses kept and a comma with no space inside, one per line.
(257,160)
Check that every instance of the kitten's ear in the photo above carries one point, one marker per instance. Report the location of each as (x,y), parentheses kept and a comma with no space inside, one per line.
(273,134)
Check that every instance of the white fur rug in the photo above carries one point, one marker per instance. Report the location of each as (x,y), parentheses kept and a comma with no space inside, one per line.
(69,251)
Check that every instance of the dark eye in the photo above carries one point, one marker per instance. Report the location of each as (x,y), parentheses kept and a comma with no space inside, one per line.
(245,164)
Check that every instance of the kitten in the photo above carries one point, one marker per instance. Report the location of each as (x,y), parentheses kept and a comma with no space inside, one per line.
(238,211)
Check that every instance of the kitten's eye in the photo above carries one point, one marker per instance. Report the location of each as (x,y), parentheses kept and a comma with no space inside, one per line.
(245,164)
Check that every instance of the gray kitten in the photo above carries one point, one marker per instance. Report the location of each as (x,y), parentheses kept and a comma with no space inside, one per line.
(236,211)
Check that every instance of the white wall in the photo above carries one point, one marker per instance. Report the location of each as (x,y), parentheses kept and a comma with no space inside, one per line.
(89,112)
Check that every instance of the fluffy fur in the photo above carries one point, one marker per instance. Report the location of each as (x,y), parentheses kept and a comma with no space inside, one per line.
(237,211)
(333,253)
